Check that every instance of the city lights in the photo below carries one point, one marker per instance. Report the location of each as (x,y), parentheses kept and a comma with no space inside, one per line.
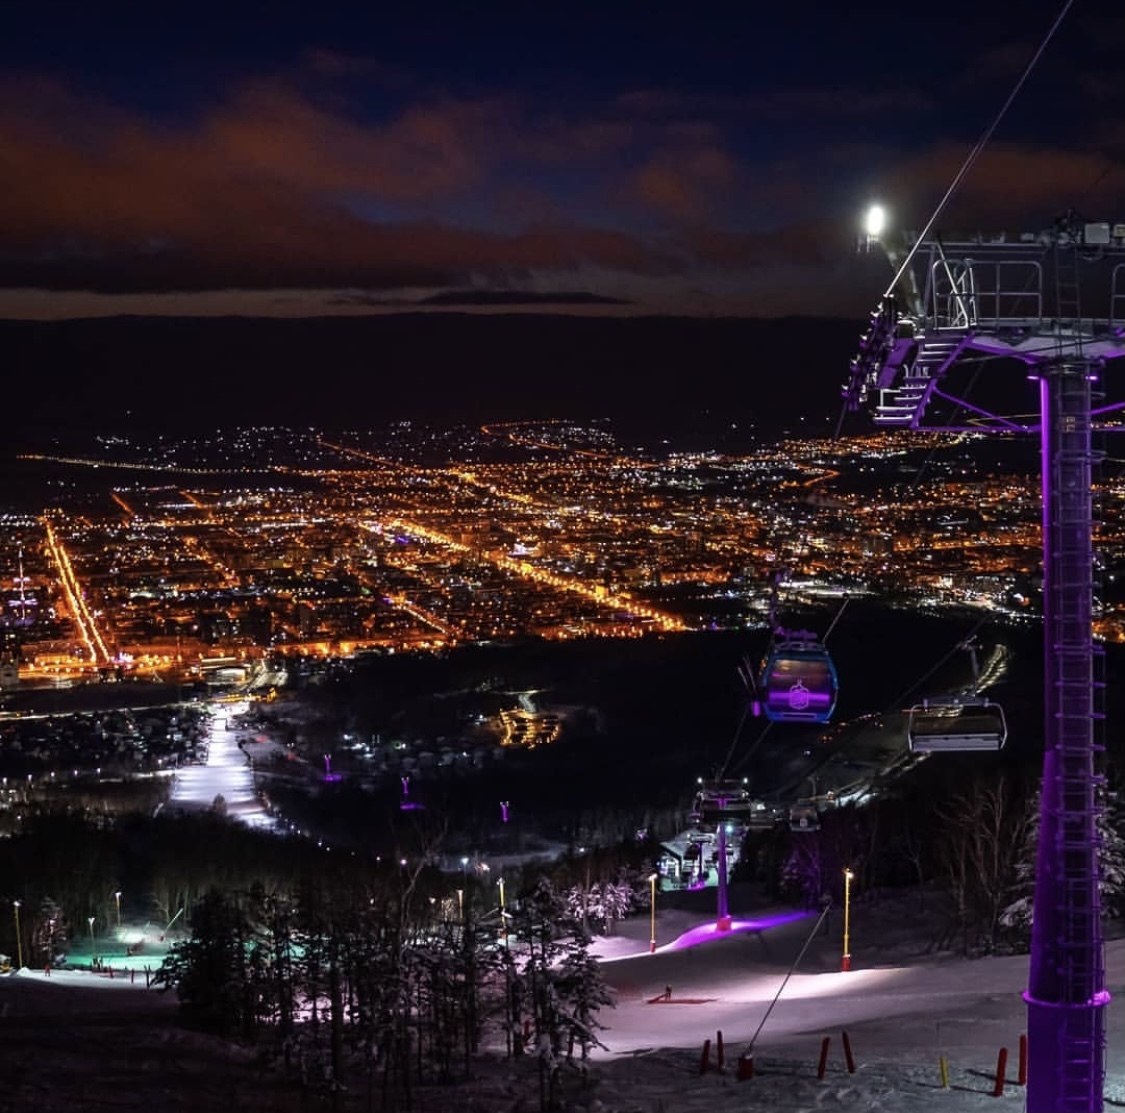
(581,539)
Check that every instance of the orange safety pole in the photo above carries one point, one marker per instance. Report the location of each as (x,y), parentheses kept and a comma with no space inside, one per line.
(705,1058)
(822,1066)
(1001,1070)
(1021,1080)
(848,1057)
(719,1059)
(745,1068)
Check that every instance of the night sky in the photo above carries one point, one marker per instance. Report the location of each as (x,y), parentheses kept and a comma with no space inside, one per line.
(295,158)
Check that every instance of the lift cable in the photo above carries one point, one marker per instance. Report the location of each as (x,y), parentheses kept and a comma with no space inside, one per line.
(966,166)
(765,730)
(897,703)
(981,143)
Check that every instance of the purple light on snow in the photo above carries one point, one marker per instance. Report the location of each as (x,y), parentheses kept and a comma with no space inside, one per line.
(706,932)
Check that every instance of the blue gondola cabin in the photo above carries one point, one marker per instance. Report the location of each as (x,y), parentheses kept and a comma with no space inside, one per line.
(798,682)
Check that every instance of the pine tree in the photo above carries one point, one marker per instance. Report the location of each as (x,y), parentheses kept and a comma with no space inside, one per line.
(1111,854)
(617,903)
(50,933)
(1110,820)
(208,971)
(582,992)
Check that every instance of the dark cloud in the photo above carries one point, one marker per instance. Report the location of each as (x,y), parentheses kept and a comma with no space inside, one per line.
(787,102)
(475,298)
(261,194)
(1011,185)
(519,297)
(686,181)
(287,183)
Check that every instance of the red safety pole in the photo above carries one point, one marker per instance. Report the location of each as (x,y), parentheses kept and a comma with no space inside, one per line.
(1022,1079)
(745,1068)
(848,1057)
(705,1058)
(822,1066)
(1001,1070)
(719,1059)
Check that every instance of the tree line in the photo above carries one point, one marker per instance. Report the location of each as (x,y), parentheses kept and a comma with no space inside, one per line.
(962,836)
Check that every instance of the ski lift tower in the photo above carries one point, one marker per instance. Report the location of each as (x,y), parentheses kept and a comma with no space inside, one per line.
(1055,302)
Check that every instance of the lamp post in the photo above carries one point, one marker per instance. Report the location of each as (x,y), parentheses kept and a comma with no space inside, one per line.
(19,938)
(652,877)
(846,963)
(93,948)
(117,897)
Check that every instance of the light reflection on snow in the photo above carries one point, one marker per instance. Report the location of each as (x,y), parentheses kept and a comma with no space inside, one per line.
(838,983)
(706,932)
(227,773)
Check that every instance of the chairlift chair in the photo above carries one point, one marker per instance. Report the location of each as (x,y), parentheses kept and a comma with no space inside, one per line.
(725,802)
(956,724)
(804,816)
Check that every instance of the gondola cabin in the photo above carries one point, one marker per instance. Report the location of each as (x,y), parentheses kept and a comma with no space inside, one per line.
(956,725)
(798,682)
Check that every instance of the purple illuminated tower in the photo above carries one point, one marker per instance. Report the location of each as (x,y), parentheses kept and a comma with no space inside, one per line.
(1022,300)
(1066,995)
(406,804)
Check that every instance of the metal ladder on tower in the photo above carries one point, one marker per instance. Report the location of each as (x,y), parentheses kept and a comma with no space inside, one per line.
(1068,292)
(1080,789)
(905,403)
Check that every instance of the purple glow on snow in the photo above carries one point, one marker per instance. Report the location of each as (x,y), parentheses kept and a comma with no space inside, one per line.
(706,932)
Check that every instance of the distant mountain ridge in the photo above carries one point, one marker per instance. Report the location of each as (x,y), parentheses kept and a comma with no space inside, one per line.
(180,374)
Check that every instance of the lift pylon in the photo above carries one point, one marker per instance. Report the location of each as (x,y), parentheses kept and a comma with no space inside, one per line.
(1054,301)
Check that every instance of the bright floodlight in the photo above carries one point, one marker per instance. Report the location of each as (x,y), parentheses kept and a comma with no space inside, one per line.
(876,220)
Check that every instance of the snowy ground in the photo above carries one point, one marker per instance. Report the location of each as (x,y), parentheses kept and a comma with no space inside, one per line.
(227,773)
(900,1007)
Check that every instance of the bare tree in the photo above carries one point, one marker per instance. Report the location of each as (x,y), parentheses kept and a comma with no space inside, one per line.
(982,830)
